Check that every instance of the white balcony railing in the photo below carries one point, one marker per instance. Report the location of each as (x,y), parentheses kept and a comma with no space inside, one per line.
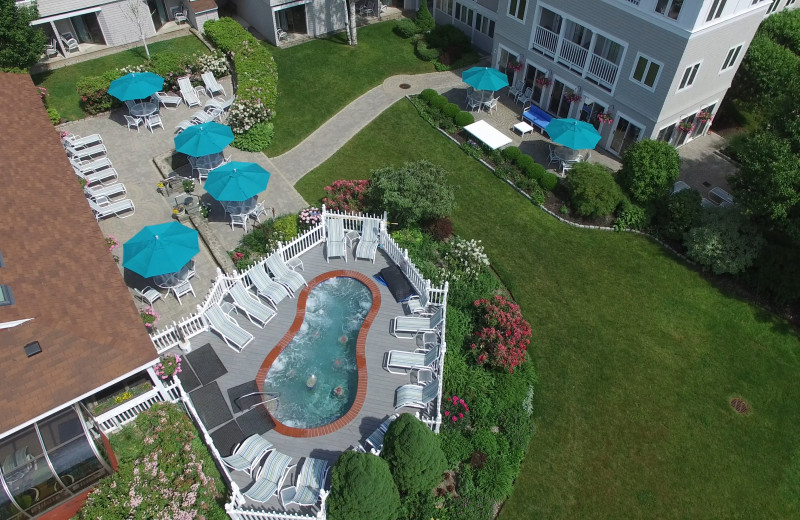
(602,71)
(121,415)
(573,54)
(545,40)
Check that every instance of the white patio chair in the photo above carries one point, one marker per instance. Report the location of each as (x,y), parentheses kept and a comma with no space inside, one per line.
(266,287)
(153,121)
(368,242)
(270,478)
(401,361)
(418,304)
(258,313)
(201,116)
(77,142)
(166,99)
(190,270)
(84,154)
(516,89)
(376,439)
(134,122)
(202,173)
(473,103)
(282,274)
(104,177)
(526,97)
(105,208)
(179,15)
(211,83)
(552,156)
(411,325)
(248,453)
(112,191)
(260,210)
(131,104)
(490,105)
(335,243)
(187,92)
(282,35)
(239,220)
(416,396)
(51,49)
(307,486)
(148,294)
(219,105)
(234,336)
(182,289)
(183,125)
(69,41)
(87,167)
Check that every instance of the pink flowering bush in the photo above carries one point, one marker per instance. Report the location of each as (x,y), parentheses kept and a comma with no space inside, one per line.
(310,217)
(170,366)
(344,195)
(503,335)
(149,317)
(165,472)
(111,243)
(455,411)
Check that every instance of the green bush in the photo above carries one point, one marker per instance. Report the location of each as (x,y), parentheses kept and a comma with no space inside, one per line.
(424,18)
(170,66)
(286,226)
(767,72)
(427,95)
(775,271)
(439,102)
(783,28)
(21,42)
(93,91)
(592,189)
(362,487)
(256,139)
(496,479)
(426,53)
(525,162)
(724,242)
(451,110)
(412,193)
(548,181)
(414,455)
(456,447)
(649,169)
(631,216)
(678,214)
(54,116)
(406,28)
(464,118)
(512,154)
(534,171)
(446,36)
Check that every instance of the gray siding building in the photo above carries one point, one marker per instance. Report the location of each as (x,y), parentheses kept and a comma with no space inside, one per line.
(632,68)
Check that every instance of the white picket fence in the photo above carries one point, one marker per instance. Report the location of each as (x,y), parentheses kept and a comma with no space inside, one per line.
(121,415)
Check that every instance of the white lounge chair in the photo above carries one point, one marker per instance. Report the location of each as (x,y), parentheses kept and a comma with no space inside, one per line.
(368,242)
(183,125)
(148,294)
(416,396)
(188,93)
(105,208)
(211,83)
(69,42)
(401,361)
(411,325)
(219,105)
(166,99)
(182,289)
(105,177)
(77,142)
(283,275)
(201,116)
(335,243)
(234,336)
(376,439)
(418,304)
(248,453)
(112,191)
(270,477)
(90,166)
(258,313)
(83,154)
(266,287)
(307,485)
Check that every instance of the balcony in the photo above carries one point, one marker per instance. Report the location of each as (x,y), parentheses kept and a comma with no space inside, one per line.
(602,71)
(545,41)
(572,55)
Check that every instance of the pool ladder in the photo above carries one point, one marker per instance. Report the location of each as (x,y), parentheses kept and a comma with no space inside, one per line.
(273,396)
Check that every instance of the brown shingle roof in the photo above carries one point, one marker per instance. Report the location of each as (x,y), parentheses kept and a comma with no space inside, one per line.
(201,6)
(59,270)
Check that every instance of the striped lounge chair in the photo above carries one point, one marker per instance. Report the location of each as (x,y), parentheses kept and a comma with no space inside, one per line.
(409,326)
(416,396)
(368,242)
(400,361)
(270,477)
(376,439)
(283,275)
(245,456)
(266,287)
(335,244)
(310,481)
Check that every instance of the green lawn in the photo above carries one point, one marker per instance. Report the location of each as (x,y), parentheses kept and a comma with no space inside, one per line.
(320,77)
(637,357)
(60,83)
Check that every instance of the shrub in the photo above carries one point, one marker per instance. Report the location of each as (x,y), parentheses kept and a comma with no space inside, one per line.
(439,102)
(775,272)
(412,193)
(362,487)
(679,213)
(533,189)
(472,149)
(428,94)
(441,229)
(455,446)
(534,171)
(511,154)
(426,53)
(414,455)
(406,28)
(346,195)
(631,216)
(525,162)
(256,139)
(451,110)
(464,118)
(464,261)
(649,169)
(593,190)
(725,241)
(766,72)
(424,18)
(93,91)
(286,227)
(496,479)
(170,66)
(548,181)
(784,29)
(503,335)
(448,36)
(54,116)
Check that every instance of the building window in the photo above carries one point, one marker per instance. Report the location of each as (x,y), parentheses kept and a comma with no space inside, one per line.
(484,25)
(446,6)
(670,8)
(667,133)
(716,10)
(688,76)
(646,71)
(789,2)
(730,59)
(516,8)
(6,296)
(464,14)
(773,6)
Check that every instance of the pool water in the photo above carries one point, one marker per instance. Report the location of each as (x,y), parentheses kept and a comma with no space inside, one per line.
(316,374)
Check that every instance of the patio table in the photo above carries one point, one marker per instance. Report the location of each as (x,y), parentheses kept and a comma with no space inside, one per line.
(170,280)
(487,134)
(147,108)
(209,162)
(240,207)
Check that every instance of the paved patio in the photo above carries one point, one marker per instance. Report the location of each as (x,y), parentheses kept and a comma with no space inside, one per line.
(242,368)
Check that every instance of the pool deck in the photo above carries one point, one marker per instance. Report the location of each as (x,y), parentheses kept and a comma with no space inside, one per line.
(243,366)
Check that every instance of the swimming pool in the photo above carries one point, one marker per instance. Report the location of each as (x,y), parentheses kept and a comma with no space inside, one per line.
(317,372)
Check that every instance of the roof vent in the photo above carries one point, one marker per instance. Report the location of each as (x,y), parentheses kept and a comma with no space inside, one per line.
(31,349)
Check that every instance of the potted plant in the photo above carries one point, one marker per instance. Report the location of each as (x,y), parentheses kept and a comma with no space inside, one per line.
(544,81)
(188,186)
(514,65)
(169,366)
(572,97)
(685,126)
(149,317)
(704,116)
(604,118)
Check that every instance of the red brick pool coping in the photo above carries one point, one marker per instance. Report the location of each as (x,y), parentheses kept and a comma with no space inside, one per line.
(361,361)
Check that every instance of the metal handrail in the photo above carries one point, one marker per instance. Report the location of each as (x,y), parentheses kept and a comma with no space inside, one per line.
(274,397)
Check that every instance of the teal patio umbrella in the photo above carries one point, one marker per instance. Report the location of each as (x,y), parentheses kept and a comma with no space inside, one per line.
(236,181)
(484,78)
(160,249)
(136,85)
(578,135)
(205,139)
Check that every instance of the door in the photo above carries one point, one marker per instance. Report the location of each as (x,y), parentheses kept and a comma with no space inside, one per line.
(624,135)
(152,6)
(502,64)
(589,113)
(559,105)
(532,75)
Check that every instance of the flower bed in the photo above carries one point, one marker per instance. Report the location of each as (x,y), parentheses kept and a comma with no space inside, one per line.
(121,397)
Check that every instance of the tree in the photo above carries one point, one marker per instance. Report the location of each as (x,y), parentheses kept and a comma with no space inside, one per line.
(352,36)
(137,12)
(21,44)
(592,190)
(726,242)
(362,487)
(767,185)
(768,70)
(413,193)
(784,29)
(424,20)
(649,169)
(679,213)
(414,454)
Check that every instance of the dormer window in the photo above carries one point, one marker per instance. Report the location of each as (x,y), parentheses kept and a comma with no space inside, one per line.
(670,8)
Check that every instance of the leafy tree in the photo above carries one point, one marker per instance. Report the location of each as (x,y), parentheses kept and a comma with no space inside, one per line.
(775,272)
(649,169)
(767,71)
(362,487)
(767,185)
(784,29)
(21,44)
(424,18)
(679,213)
(415,192)
(414,454)
(725,241)
(592,189)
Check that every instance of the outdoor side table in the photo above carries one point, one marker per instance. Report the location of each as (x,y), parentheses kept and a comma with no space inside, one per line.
(351,236)
(294,263)
(523,128)
(199,90)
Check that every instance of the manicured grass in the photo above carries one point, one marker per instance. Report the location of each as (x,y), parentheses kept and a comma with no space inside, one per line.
(637,357)
(60,83)
(320,77)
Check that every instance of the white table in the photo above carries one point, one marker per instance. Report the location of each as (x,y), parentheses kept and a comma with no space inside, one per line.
(209,162)
(144,109)
(487,134)
(523,128)
(240,207)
